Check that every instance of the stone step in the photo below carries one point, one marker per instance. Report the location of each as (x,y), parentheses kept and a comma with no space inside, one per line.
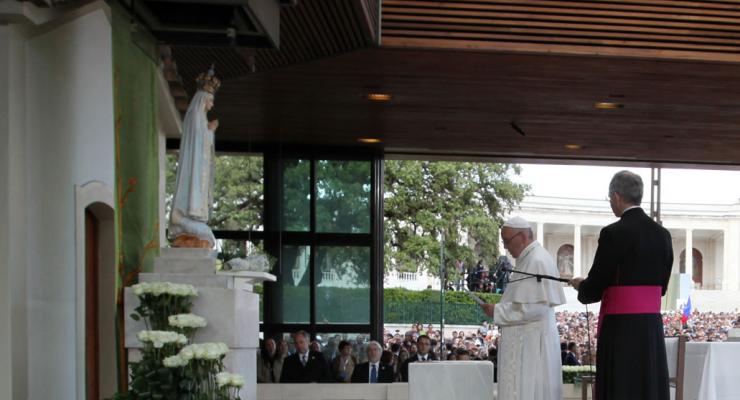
(183,252)
(170,265)
(197,280)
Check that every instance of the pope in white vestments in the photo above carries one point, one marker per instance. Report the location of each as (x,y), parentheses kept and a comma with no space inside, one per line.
(529,364)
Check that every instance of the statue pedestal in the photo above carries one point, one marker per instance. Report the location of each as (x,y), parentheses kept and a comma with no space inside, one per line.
(225,299)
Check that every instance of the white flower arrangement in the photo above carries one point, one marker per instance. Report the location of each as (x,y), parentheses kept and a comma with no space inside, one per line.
(174,362)
(579,368)
(160,288)
(229,379)
(187,321)
(159,338)
(204,351)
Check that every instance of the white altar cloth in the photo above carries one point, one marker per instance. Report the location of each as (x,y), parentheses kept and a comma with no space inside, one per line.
(451,380)
(711,370)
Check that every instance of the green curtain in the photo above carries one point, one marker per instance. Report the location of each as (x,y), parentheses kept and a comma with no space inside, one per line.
(137,169)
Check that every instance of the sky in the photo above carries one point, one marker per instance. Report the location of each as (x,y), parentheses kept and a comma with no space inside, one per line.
(589,182)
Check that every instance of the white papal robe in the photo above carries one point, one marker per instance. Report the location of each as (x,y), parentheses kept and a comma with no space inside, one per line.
(529,364)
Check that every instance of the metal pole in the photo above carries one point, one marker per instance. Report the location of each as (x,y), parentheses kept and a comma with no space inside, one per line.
(442,282)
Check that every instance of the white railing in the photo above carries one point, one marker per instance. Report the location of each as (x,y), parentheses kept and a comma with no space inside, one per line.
(329,276)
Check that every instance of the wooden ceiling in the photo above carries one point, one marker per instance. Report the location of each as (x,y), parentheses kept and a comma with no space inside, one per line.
(504,97)
(696,30)
(310,30)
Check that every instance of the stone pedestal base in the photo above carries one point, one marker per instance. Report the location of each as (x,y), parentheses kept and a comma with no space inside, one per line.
(225,299)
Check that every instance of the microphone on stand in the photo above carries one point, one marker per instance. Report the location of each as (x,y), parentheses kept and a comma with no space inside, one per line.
(539,277)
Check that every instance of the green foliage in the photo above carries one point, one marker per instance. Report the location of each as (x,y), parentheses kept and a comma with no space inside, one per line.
(399,306)
(150,380)
(155,310)
(296,195)
(465,202)
(406,306)
(237,191)
(401,295)
(343,196)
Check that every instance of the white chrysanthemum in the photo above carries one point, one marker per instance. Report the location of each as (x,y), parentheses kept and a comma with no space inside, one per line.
(223,379)
(204,351)
(229,379)
(159,288)
(160,338)
(174,361)
(187,321)
(237,380)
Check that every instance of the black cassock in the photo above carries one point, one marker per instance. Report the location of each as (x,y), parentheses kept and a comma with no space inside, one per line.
(630,357)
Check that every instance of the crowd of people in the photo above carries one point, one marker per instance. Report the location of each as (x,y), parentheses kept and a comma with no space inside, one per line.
(336,357)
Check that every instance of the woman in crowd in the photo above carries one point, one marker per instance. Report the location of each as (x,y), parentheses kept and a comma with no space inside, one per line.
(280,355)
(265,365)
(344,363)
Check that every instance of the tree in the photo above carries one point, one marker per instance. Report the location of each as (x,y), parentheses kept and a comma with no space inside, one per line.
(464,202)
(237,194)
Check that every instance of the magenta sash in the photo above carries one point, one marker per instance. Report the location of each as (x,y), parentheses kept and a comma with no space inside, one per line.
(629,300)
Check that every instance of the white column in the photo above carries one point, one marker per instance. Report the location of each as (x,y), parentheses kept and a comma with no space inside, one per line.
(577,270)
(689,254)
(541,233)
(731,261)
(13,212)
(6,365)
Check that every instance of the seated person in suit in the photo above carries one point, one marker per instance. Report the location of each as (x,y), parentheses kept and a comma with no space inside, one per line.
(373,371)
(571,358)
(304,366)
(423,353)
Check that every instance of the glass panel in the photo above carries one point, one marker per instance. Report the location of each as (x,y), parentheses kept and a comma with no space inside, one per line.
(343,285)
(238,191)
(295,280)
(228,249)
(297,195)
(343,196)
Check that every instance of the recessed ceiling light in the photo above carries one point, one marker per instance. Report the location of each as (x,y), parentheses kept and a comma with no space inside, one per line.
(369,140)
(379,96)
(607,105)
(573,146)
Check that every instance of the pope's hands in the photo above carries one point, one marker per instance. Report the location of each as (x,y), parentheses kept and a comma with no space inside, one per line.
(576,282)
(488,309)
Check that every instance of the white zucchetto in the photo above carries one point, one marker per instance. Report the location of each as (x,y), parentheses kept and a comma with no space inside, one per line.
(517,223)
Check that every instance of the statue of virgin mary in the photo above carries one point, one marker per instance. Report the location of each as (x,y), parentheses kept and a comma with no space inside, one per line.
(193,201)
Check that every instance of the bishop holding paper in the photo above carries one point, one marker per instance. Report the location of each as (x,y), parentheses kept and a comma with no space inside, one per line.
(529,365)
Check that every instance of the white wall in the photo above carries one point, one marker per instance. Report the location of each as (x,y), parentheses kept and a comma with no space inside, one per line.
(13,264)
(69,141)
(6,366)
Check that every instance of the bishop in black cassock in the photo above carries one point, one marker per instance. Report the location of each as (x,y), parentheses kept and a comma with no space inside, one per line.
(629,275)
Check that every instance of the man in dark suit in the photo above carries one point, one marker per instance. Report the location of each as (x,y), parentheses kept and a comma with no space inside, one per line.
(570,355)
(423,354)
(304,366)
(373,371)
(629,275)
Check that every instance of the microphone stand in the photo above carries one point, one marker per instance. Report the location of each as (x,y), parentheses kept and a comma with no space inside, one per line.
(539,277)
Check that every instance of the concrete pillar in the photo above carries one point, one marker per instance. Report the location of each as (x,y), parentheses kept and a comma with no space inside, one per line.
(13,262)
(577,269)
(541,233)
(731,256)
(689,252)
(6,366)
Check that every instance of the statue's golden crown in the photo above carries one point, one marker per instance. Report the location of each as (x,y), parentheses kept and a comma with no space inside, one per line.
(208,82)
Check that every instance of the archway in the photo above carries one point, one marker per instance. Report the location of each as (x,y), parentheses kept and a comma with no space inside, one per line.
(96,310)
(565,261)
(697,273)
